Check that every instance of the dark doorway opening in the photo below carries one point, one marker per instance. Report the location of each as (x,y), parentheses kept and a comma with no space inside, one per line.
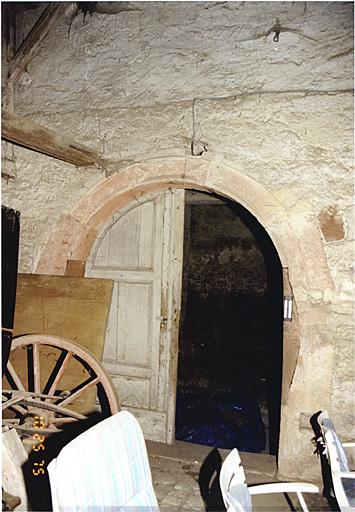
(230,346)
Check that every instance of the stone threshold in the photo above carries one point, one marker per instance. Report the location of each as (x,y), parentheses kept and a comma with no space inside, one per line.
(189,453)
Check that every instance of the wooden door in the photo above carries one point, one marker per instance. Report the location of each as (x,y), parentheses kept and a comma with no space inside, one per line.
(141,250)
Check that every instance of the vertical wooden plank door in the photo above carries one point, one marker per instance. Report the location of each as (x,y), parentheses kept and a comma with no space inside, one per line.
(141,250)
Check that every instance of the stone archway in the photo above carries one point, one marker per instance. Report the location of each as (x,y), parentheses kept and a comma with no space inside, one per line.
(294,232)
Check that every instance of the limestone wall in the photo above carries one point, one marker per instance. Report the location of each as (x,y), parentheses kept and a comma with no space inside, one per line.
(141,85)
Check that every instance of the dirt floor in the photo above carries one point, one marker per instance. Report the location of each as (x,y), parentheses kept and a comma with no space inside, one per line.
(185,479)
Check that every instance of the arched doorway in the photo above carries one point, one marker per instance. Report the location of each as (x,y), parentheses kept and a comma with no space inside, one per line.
(294,232)
(230,342)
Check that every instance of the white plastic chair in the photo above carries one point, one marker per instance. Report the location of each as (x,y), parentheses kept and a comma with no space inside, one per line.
(105,468)
(237,495)
(343,479)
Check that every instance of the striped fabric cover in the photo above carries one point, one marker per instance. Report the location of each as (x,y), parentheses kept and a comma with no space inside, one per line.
(104,469)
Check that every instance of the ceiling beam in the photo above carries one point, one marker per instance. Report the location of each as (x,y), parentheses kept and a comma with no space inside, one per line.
(26,133)
(31,43)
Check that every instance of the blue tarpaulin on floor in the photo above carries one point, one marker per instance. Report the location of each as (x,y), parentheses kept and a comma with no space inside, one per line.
(223,420)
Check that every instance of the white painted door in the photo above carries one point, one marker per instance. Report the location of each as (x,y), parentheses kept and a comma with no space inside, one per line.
(141,250)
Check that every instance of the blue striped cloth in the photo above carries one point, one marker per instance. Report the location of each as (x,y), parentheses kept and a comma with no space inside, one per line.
(104,469)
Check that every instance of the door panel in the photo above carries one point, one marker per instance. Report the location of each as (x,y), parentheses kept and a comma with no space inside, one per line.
(134,392)
(134,324)
(141,251)
(128,244)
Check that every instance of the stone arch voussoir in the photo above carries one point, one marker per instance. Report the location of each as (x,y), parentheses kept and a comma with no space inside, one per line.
(295,236)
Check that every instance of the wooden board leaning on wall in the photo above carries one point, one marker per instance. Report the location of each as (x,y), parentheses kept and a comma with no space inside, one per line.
(75,308)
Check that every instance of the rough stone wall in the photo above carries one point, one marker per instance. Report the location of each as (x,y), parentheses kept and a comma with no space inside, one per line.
(142,84)
(223,254)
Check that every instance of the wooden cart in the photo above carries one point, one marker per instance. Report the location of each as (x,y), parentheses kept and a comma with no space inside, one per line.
(45,378)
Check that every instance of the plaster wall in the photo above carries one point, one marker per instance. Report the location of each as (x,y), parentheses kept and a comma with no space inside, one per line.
(140,86)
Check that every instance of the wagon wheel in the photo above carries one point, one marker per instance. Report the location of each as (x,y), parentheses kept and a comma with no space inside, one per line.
(54,379)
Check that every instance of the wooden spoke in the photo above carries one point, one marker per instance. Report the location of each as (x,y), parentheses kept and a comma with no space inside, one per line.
(14,376)
(30,431)
(30,371)
(10,380)
(58,372)
(28,394)
(36,368)
(12,403)
(19,409)
(54,408)
(11,422)
(62,421)
(33,400)
(79,390)
(8,402)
